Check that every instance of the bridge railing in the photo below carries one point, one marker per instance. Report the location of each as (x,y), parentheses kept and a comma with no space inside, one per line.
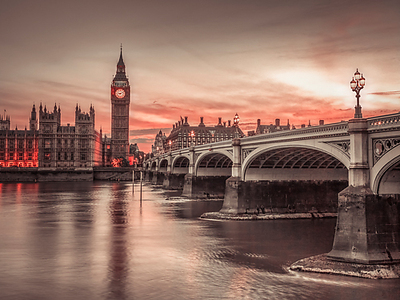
(341,127)
(384,121)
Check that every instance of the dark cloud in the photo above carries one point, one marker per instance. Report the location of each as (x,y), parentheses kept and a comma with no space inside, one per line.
(140,132)
(388,93)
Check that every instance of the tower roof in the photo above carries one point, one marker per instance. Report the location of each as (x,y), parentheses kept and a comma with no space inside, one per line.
(120,74)
(121,60)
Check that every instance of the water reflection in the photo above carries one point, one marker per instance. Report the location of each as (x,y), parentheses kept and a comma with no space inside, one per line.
(119,259)
(95,241)
(189,209)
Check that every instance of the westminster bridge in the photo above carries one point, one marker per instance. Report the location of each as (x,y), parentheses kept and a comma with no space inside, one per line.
(351,168)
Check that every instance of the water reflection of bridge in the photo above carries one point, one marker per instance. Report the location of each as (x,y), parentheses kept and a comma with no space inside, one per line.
(304,170)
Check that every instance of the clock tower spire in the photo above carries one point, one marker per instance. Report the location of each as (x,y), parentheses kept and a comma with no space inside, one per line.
(120,100)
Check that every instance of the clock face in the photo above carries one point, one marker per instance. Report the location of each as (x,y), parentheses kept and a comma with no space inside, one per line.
(120,93)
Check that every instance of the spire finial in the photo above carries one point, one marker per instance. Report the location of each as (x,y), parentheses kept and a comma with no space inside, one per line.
(121,60)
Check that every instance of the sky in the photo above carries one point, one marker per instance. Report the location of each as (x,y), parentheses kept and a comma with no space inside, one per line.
(262,59)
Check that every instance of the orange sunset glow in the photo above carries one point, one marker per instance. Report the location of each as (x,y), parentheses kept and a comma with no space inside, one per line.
(291,60)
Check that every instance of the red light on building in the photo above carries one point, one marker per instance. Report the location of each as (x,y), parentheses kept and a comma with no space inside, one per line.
(116,162)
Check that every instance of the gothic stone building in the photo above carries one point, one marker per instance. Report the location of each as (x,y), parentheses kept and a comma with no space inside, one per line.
(183,135)
(68,147)
(51,146)
(19,148)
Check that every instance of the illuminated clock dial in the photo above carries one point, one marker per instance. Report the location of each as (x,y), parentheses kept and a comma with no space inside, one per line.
(120,93)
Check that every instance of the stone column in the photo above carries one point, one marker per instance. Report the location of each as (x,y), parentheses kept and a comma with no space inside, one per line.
(188,184)
(169,159)
(237,159)
(156,173)
(359,167)
(167,175)
(234,202)
(191,161)
(367,224)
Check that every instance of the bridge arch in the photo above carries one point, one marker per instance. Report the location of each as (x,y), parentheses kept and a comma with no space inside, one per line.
(296,161)
(215,163)
(163,165)
(385,174)
(180,164)
(153,166)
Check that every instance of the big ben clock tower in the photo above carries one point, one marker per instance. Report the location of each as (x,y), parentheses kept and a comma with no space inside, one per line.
(120,99)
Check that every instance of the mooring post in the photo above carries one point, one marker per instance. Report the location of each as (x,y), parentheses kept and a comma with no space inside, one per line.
(133,181)
(140,191)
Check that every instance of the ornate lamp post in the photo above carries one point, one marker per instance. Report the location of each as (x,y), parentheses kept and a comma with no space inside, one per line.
(357,84)
(170,144)
(192,134)
(236,125)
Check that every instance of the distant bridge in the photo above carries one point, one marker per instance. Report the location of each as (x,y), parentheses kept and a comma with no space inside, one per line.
(304,170)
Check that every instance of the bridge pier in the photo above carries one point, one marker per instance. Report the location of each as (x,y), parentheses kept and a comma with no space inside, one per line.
(368,225)
(204,186)
(282,197)
(234,202)
(148,175)
(173,181)
(157,178)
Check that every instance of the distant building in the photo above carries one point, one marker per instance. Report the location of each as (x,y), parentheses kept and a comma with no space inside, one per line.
(68,147)
(183,135)
(160,143)
(49,145)
(52,146)
(260,129)
(5,122)
(19,148)
(135,155)
(271,128)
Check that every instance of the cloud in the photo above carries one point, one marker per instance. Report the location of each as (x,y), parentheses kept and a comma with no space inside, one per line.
(140,132)
(260,59)
(388,93)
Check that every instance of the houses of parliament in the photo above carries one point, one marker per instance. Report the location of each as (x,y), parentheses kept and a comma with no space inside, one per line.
(48,145)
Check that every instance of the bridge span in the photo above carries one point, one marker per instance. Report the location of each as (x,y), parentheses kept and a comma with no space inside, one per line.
(351,168)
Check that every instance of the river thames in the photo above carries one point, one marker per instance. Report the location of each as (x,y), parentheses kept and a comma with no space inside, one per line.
(96,240)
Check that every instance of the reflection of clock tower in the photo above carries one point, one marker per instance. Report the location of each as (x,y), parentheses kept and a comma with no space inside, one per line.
(120,99)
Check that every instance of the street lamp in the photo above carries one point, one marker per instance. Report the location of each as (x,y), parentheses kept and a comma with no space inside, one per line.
(357,84)
(169,144)
(236,125)
(192,134)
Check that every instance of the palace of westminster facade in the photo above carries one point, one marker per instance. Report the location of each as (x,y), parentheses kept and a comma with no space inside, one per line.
(48,145)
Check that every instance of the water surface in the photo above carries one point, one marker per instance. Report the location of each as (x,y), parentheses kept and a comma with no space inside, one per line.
(95,240)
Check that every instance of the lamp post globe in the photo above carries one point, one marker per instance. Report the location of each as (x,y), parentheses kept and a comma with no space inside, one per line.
(192,135)
(356,85)
(236,125)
